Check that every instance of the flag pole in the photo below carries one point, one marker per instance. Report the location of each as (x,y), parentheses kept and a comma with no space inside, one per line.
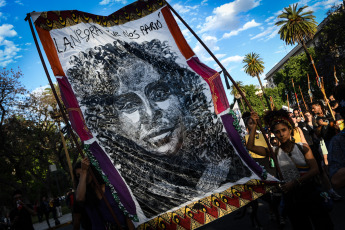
(309,90)
(64,116)
(305,105)
(335,77)
(299,107)
(233,82)
(326,99)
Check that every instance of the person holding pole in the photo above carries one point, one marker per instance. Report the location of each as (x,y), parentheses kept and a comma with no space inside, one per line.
(89,196)
(303,203)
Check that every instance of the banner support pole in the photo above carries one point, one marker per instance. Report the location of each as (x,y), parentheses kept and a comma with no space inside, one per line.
(64,116)
(233,82)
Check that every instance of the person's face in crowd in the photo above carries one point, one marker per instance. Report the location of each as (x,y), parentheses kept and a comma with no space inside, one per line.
(148,111)
(296,113)
(308,117)
(250,124)
(291,114)
(17,197)
(331,98)
(282,132)
(316,109)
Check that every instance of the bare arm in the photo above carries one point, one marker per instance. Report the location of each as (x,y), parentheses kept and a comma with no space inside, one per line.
(250,145)
(81,189)
(303,140)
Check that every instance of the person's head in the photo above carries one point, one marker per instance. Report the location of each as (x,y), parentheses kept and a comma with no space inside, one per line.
(308,116)
(296,112)
(340,96)
(248,121)
(331,97)
(317,107)
(280,123)
(17,195)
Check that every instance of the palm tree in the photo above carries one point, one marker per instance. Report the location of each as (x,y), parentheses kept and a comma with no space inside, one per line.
(254,66)
(297,26)
(236,93)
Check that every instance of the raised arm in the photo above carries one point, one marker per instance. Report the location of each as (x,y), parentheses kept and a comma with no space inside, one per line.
(81,189)
(260,150)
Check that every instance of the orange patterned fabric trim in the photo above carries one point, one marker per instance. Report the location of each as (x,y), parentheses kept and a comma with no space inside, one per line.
(59,19)
(208,209)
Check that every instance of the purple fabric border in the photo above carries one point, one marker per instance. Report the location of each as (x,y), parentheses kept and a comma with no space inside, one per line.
(114,177)
(236,141)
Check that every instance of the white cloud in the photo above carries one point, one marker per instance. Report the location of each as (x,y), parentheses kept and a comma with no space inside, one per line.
(110,2)
(6,30)
(182,9)
(28,44)
(8,54)
(246,26)
(204,2)
(269,19)
(2,3)
(235,58)
(19,2)
(225,17)
(8,50)
(268,34)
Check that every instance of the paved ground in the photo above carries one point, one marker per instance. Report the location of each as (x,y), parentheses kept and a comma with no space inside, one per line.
(232,221)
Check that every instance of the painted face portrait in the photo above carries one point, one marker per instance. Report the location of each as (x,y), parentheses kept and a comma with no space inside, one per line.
(149,113)
(154,119)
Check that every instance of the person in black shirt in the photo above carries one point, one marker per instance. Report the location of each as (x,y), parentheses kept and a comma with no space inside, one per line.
(325,123)
(20,216)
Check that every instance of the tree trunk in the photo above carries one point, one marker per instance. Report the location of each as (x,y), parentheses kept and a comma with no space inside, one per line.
(309,57)
(264,94)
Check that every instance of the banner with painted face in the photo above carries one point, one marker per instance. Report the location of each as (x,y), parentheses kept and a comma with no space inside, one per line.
(155,120)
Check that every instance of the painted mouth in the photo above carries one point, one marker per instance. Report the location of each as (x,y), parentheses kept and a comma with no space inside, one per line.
(160,137)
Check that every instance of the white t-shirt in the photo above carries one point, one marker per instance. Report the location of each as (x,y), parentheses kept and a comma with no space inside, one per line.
(289,164)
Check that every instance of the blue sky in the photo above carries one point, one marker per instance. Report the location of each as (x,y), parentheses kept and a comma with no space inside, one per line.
(231,29)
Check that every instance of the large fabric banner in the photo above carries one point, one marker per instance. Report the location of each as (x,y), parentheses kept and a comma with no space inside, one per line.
(155,120)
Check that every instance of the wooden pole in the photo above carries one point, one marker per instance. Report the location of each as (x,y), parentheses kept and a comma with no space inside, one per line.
(335,77)
(299,107)
(287,98)
(305,105)
(233,82)
(64,116)
(326,99)
(67,156)
(309,90)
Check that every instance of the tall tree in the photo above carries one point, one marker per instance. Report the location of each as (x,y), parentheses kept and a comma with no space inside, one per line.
(298,27)
(254,66)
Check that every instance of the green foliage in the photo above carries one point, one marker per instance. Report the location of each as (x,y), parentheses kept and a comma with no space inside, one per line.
(331,48)
(296,25)
(297,68)
(30,141)
(254,65)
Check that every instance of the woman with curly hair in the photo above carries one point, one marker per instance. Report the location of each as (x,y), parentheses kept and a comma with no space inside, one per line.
(298,166)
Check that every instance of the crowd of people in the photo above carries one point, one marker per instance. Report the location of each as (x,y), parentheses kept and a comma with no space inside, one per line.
(304,151)
(309,158)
